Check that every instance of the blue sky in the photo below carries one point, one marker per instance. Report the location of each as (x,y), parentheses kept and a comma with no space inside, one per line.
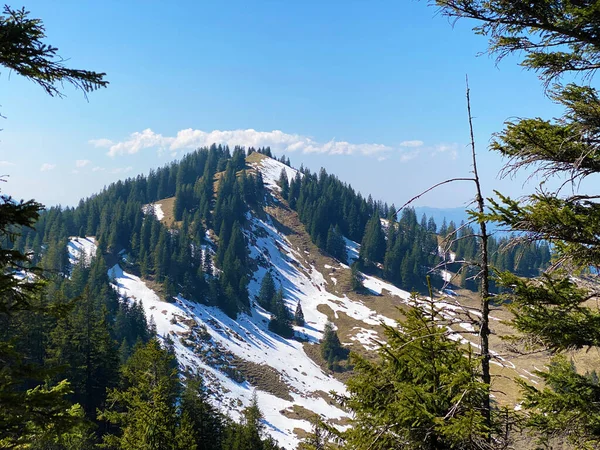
(372,91)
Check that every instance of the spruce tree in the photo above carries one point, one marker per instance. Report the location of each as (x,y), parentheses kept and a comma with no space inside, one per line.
(281,323)
(145,410)
(29,409)
(356,282)
(557,39)
(284,184)
(267,291)
(422,393)
(299,315)
(372,248)
(23,50)
(336,245)
(332,350)
(206,422)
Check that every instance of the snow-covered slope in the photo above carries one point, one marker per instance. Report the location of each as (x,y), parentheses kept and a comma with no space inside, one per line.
(239,357)
(209,341)
(271,171)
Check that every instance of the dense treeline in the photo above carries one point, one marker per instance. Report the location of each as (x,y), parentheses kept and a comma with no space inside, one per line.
(526,259)
(180,256)
(401,250)
(81,367)
(409,251)
(331,209)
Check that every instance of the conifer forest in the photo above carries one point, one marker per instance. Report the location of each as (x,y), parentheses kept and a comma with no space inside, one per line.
(219,296)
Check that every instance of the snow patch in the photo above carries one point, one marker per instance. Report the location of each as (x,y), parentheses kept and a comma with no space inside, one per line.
(352,249)
(155,208)
(271,171)
(81,248)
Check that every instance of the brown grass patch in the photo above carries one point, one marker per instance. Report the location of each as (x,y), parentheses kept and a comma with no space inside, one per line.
(255,157)
(298,412)
(263,377)
(168,208)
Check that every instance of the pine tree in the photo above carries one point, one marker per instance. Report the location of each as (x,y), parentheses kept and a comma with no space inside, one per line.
(29,410)
(299,315)
(267,291)
(556,39)
(284,184)
(372,248)
(356,282)
(145,410)
(422,393)
(332,350)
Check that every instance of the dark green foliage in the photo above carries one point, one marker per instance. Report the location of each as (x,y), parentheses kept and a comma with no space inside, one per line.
(234,267)
(410,251)
(153,410)
(284,184)
(526,259)
(554,310)
(336,245)
(573,400)
(83,345)
(22,50)
(372,248)
(422,393)
(299,315)
(170,256)
(555,38)
(281,322)
(250,434)
(145,408)
(206,422)
(332,350)
(323,200)
(30,411)
(356,282)
(267,291)
(294,190)
(319,438)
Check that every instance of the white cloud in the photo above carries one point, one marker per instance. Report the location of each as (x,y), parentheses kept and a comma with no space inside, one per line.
(82,163)
(6,164)
(407,156)
(47,166)
(450,149)
(122,170)
(98,169)
(101,143)
(413,144)
(277,140)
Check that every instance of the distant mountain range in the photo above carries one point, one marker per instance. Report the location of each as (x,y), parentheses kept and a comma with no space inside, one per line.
(439,214)
(452,214)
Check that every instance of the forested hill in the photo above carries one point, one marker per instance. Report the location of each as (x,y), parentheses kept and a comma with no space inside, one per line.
(235,263)
(213,190)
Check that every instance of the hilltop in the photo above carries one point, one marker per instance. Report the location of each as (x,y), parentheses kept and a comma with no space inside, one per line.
(194,259)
